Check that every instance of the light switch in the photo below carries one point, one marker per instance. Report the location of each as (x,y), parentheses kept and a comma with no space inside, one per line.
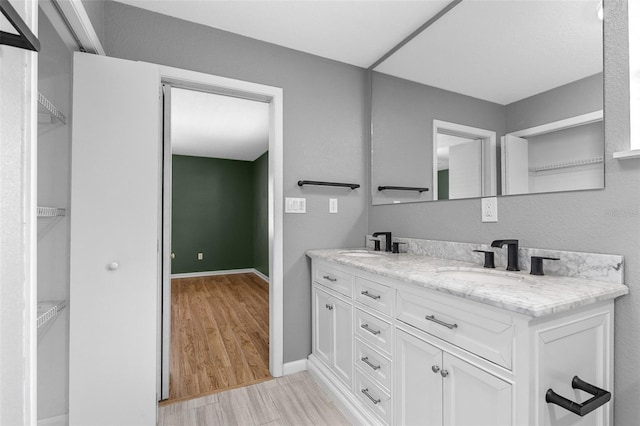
(333,205)
(200,256)
(295,205)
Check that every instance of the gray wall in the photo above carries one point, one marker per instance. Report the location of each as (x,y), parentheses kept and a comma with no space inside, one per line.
(323,133)
(601,221)
(95,10)
(576,98)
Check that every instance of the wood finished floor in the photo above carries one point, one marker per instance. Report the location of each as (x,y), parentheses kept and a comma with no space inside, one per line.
(219,334)
(289,400)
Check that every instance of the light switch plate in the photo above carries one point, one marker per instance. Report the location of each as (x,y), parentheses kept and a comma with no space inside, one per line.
(490,209)
(295,205)
(333,205)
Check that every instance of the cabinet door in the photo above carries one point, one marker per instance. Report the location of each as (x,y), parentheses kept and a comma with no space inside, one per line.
(343,343)
(323,326)
(474,397)
(418,391)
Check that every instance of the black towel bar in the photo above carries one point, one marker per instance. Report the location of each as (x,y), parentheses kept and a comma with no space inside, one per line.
(600,397)
(315,182)
(402,188)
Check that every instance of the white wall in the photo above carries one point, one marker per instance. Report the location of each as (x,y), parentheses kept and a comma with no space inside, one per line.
(17,223)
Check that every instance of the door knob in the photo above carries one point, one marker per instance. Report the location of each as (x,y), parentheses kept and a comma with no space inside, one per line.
(113,266)
(173,255)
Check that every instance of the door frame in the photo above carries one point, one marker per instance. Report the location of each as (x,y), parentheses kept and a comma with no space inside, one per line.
(177,77)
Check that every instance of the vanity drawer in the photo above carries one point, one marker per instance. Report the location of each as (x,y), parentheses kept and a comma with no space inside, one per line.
(373,364)
(333,278)
(373,397)
(374,295)
(485,333)
(374,331)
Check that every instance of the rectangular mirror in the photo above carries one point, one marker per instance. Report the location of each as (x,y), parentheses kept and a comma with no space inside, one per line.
(492,98)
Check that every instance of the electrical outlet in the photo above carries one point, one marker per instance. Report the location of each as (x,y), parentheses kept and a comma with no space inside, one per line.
(333,205)
(490,209)
(200,256)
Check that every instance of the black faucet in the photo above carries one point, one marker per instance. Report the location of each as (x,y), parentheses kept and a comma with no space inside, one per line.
(387,239)
(512,253)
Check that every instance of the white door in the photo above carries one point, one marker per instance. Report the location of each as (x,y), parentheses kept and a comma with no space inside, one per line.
(474,397)
(323,326)
(418,394)
(465,170)
(515,165)
(114,242)
(343,344)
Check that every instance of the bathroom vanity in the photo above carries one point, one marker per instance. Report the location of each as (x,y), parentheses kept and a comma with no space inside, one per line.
(417,339)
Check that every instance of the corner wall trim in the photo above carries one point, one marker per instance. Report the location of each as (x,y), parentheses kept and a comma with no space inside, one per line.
(295,366)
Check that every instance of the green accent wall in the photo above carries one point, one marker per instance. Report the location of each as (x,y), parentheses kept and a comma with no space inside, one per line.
(443,184)
(218,209)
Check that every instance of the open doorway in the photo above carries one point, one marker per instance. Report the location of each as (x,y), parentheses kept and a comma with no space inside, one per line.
(216,225)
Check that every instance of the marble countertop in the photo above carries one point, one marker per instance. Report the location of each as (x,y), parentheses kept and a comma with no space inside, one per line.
(534,296)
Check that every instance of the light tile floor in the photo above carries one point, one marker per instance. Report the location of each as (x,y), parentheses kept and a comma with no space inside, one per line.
(290,400)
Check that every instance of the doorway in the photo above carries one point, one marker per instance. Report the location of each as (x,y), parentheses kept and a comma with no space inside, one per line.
(216,227)
(271,96)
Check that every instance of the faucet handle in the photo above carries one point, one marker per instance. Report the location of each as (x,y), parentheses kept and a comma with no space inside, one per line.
(396,247)
(536,264)
(488,258)
(376,244)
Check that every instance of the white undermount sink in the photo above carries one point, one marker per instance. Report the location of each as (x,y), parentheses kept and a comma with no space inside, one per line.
(484,276)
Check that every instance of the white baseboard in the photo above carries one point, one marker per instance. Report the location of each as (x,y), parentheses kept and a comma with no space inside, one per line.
(226,272)
(62,420)
(294,367)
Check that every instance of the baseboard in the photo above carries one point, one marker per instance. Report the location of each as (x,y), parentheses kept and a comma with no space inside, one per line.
(62,420)
(294,367)
(225,272)
(341,396)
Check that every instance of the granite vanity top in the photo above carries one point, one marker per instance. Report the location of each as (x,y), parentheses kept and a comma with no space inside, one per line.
(534,296)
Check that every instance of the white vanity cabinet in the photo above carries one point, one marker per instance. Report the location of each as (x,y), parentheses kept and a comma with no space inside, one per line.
(419,356)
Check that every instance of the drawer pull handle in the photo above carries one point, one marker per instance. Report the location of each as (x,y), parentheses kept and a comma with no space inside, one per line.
(437,321)
(435,368)
(328,277)
(600,397)
(329,307)
(370,330)
(365,359)
(444,373)
(366,392)
(373,296)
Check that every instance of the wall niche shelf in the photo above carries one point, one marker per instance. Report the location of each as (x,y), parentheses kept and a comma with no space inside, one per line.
(47,218)
(566,164)
(49,117)
(48,311)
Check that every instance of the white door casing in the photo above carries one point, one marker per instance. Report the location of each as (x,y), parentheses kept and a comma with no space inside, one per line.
(114,242)
(515,165)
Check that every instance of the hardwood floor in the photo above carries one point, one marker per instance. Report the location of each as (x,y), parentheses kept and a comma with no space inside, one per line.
(219,334)
(289,400)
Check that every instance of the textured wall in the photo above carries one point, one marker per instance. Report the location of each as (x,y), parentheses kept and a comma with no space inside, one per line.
(600,221)
(324,130)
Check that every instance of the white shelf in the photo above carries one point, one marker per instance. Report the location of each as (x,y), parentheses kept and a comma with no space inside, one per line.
(48,311)
(47,218)
(49,117)
(565,164)
(622,155)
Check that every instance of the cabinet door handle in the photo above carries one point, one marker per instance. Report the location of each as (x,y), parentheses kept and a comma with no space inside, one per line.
(437,321)
(365,359)
(600,397)
(444,373)
(370,330)
(435,368)
(366,392)
(329,307)
(373,296)
(330,278)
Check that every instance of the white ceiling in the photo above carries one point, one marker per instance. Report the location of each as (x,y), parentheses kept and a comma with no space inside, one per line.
(504,51)
(209,125)
(356,32)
